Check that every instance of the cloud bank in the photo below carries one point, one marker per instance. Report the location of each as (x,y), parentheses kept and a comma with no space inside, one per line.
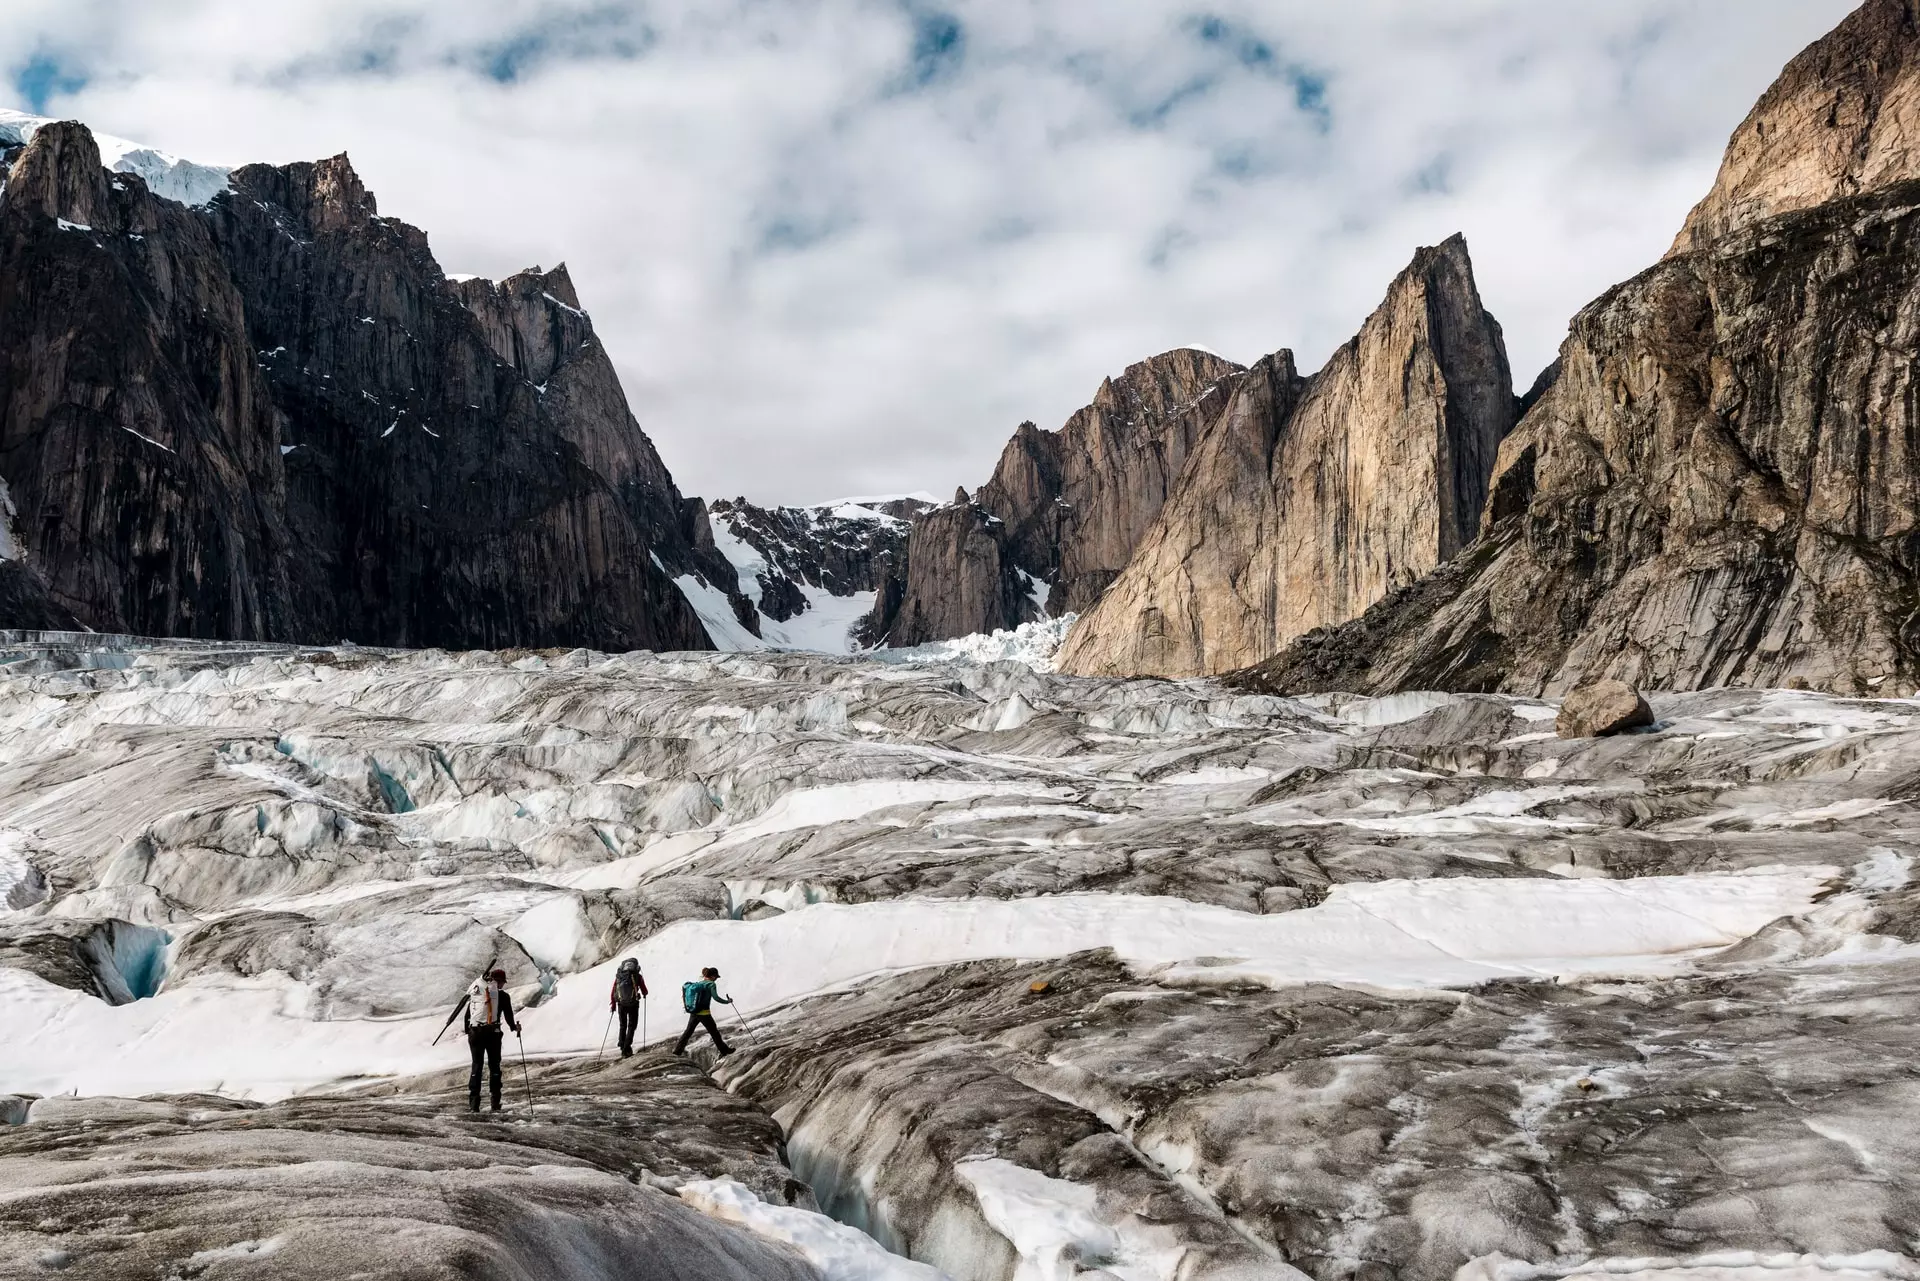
(845,246)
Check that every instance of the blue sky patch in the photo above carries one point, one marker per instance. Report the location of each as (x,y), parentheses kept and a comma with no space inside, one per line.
(44,77)
(939,46)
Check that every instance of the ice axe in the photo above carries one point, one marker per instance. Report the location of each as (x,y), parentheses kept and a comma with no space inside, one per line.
(462,1005)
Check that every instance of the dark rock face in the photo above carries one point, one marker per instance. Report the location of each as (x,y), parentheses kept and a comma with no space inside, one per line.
(1064,509)
(137,436)
(1720,486)
(1313,498)
(273,417)
(960,577)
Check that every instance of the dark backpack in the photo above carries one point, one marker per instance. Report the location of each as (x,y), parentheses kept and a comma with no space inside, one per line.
(690,994)
(626,981)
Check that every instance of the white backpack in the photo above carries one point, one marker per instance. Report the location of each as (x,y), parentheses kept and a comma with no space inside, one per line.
(481,1008)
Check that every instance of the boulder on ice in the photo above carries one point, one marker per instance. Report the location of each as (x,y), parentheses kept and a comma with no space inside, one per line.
(1602,708)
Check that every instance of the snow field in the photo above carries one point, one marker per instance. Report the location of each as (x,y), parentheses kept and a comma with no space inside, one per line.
(1394,935)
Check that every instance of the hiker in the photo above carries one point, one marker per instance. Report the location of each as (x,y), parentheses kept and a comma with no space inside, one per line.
(629,989)
(698,998)
(486,1005)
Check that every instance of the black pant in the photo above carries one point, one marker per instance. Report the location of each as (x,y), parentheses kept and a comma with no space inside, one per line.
(484,1044)
(629,1019)
(702,1018)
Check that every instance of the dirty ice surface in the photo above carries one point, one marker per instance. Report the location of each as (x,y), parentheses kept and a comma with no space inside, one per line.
(1037,972)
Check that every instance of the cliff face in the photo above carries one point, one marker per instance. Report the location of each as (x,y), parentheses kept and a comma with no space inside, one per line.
(1064,509)
(1077,501)
(1312,499)
(1721,488)
(274,417)
(960,576)
(137,437)
(1843,118)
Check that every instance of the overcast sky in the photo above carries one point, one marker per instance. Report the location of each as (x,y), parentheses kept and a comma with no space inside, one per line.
(845,246)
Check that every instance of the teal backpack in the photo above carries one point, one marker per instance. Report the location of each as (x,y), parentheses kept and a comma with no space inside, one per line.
(690,994)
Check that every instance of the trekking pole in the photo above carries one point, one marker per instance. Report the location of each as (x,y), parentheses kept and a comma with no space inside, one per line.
(744,1025)
(603,1038)
(524,1074)
(643,1022)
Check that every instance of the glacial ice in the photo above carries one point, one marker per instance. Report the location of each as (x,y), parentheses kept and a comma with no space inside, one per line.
(1273,984)
(166,175)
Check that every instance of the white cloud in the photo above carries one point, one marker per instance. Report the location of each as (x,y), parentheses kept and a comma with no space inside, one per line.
(846,245)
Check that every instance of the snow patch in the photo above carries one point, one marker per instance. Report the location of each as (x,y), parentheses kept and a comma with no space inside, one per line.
(1056,1227)
(239,1251)
(165,175)
(10,546)
(1393,935)
(715,611)
(840,1253)
(1883,869)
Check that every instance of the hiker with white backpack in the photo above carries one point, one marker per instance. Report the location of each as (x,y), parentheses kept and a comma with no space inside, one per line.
(486,1006)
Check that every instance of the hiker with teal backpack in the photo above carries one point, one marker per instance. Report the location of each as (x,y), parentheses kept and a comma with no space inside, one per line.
(698,997)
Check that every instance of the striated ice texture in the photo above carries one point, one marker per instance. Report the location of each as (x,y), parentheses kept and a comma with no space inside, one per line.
(1035,976)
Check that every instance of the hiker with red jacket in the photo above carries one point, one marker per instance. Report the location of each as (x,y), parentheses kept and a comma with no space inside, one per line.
(629,989)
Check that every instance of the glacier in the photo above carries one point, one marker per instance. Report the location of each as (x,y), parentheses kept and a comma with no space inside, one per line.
(1035,976)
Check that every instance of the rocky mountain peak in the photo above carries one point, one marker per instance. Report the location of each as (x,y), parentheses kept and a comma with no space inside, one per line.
(340,195)
(1063,511)
(58,174)
(1718,487)
(1312,498)
(303,430)
(1843,118)
(532,319)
